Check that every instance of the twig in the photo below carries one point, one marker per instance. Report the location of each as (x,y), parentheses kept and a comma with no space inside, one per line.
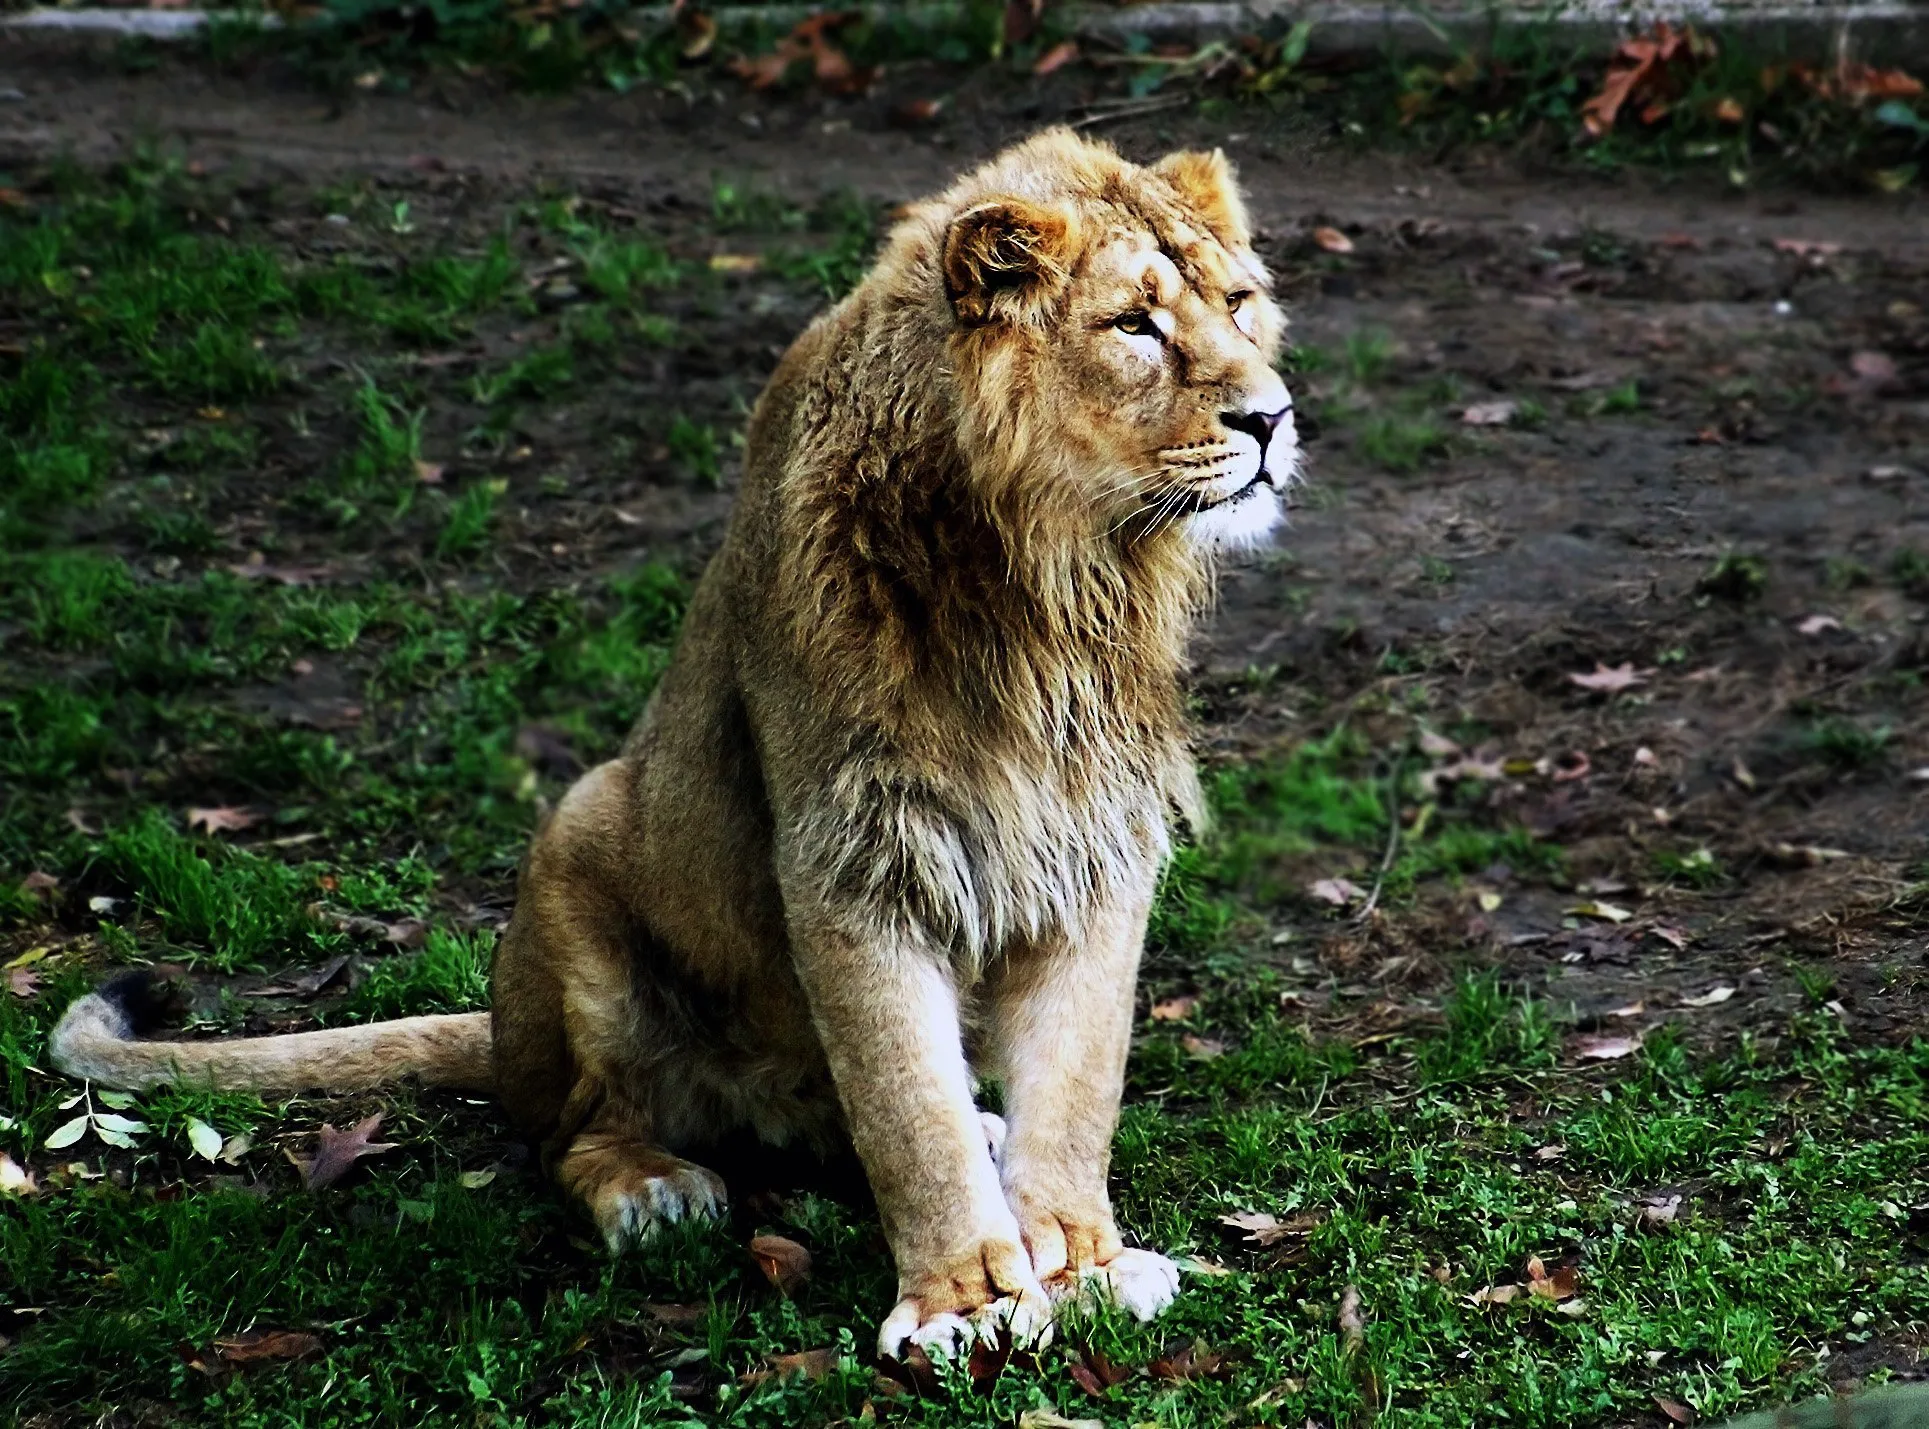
(1153,105)
(1392,843)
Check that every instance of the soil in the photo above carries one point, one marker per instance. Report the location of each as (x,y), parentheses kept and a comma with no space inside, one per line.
(1778,347)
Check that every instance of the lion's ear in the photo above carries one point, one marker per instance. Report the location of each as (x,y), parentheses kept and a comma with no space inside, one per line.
(1205,182)
(1004,260)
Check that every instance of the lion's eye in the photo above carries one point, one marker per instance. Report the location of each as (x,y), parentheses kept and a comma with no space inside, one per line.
(1137,324)
(1236,301)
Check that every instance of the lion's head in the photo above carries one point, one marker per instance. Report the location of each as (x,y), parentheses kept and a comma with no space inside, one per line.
(1112,329)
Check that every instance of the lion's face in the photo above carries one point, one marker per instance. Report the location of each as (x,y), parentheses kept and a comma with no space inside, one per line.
(1120,331)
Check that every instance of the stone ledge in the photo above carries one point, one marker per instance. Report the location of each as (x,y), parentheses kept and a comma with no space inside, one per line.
(1891,31)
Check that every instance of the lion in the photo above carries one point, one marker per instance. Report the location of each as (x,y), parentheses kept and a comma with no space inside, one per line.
(895,816)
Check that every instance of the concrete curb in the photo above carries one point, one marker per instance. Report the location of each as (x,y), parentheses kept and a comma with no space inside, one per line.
(1891,31)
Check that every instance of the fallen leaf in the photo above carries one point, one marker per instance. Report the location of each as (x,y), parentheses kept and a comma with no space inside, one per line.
(1263,1229)
(1605,912)
(236,1147)
(1198,1265)
(1337,891)
(476,1180)
(1729,111)
(1557,1284)
(1610,680)
(1714,996)
(1202,1049)
(1660,1210)
(805,1364)
(1673,937)
(306,984)
(222,819)
(1490,414)
(1352,1318)
(1194,1361)
(1807,248)
(1495,1295)
(336,1151)
(1674,1409)
(1437,746)
(1742,774)
(669,1314)
(1052,1419)
(1877,369)
(258,1345)
(1552,1152)
(1056,58)
(1806,855)
(1816,624)
(914,113)
(1094,1373)
(1633,1009)
(1606,1049)
(30,957)
(23,982)
(1174,1009)
(1332,240)
(40,882)
(15,1179)
(203,1139)
(429,473)
(784,1262)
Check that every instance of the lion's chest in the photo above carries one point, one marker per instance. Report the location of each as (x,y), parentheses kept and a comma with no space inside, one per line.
(965,867)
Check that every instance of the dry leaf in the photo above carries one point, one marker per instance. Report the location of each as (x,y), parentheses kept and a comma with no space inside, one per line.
(1606,912)
(1816,624)
(1711,998)
(1051,1419)
(306,984)
(336,1151)
(1056,58)
(429,473)
(1673,937)
(1495,1295)
(1558,1284)
(259,1345)
(1352,1318)
(15,1179)
(1202,1049)
(1094,1373)
(1607,680)
(476,1180)
(1490,414)
(1660,1210)
(1263,1229)
(23,982)
(1632,1009)
(1332,240)
(222,819)
(1337,891)
(784,1263)
(39,882)
(1554,1151)
(1675,1410)
(730,263)
(1195,1361)
(1606,1049)
(805,1364)
(1174,1009)
(1437,746)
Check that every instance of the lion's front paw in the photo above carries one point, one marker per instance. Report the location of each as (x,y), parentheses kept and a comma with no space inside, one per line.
(986,1293)
(1141,1282)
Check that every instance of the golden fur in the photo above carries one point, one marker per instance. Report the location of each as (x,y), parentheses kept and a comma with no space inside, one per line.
(906,785)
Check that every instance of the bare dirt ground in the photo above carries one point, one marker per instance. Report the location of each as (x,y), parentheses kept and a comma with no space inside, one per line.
(1700,374)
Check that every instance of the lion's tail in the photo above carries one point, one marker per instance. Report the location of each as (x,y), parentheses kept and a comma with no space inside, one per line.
(98,1040)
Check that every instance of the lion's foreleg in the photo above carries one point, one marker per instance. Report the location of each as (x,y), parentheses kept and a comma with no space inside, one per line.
(1060,1027)
(888,1017)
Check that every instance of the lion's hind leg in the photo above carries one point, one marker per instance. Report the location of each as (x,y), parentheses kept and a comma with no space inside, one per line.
(632,1186)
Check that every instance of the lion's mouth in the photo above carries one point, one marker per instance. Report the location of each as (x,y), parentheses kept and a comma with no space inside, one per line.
(1194,502)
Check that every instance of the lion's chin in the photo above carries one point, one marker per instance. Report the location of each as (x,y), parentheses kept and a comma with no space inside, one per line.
(1242,523)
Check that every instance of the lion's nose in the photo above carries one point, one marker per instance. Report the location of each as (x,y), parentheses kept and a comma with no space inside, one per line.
(1260,426)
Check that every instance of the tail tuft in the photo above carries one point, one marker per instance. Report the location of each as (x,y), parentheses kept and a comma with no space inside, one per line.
(141,1001)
